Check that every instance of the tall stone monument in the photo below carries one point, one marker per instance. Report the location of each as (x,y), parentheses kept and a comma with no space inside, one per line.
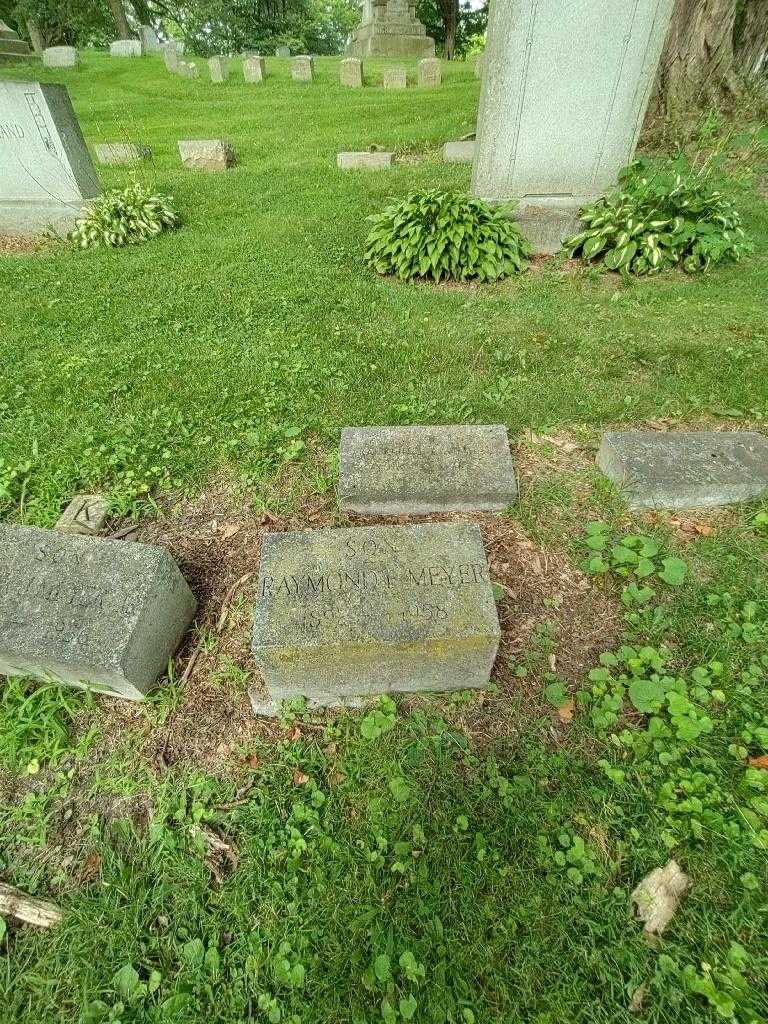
(11,47)
(46,174)
(390,28)
(565,89)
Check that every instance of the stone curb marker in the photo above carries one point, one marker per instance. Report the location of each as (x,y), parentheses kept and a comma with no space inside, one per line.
(460,152)
(346,613)
(365,161)
(126,48)
(89,612)
(420,470)
(84,515)
(684,469)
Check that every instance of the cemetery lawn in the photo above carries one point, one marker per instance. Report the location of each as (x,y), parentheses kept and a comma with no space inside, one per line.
(463,860)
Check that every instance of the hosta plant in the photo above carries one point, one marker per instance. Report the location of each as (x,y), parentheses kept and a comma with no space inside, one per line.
(124,217)
(445,236)
(664,216)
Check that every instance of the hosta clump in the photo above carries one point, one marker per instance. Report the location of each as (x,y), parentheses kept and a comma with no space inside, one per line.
(664,216)
(124,217)
(445,236)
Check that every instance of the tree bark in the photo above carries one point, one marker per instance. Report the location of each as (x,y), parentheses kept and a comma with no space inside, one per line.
(35,35)
(450,12)
(121,21)
(697,63)
(751,38)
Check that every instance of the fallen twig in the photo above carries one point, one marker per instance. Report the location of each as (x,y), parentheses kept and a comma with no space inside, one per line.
(29,909)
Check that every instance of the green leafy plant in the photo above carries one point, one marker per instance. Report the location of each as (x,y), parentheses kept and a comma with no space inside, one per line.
(124,217)
(665,215)
(445,236)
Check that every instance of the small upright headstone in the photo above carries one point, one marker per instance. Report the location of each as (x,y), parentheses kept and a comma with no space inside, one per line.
(430,72)
(461,152)
(121,154)
(302,69)
(149,40)
(89,612)
(379,609)
(367,160)
(419,470)
(84,515)
(188,69)
(171,57)
(283,51)
(219,69)
(60,57)
(351,72)
(395,78)
(126,48)
(254,69)
(206,154)
(686,469)
(46,174)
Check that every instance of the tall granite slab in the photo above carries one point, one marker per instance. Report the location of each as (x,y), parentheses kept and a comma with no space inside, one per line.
(126,48)
(380,609)
(565,89)
(686,469)
(351,72)
(12,48)
(46,174)
(420,470)
(395,78)
(60,57)
(254,69)
(89,612)
(302,69)
(390,28)
(430,73)
(219,69)
(149,41)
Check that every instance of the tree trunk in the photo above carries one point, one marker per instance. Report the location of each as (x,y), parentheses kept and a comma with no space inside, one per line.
(697,63)
(121,21)
(450,12)
(35,35)
(751,38)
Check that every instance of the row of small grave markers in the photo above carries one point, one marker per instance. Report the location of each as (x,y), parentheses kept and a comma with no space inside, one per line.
(340,614)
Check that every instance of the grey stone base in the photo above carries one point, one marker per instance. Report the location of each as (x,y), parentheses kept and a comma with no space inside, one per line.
(548,222)
(35,219)
(268,705)
(392,46)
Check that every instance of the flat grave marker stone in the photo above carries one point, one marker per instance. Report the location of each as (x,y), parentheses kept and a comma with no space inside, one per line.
(89,612)
(381,609)
(420,470)
(365,161)
(685,469)
(126,48)
(459,152)
(46,174)
(84,515)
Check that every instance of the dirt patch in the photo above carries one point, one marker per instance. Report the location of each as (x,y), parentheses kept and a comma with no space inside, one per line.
(11,245)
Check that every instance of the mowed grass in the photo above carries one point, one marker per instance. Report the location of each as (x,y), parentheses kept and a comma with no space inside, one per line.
(414,863)
(148,366)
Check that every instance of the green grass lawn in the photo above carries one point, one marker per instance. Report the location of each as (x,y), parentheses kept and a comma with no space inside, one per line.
(458,860)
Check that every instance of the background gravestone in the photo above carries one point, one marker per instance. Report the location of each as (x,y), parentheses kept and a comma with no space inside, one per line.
(85,611)
(395,78)
(283,51)
(684,469)
(219,69)
(565,88)
(254,69)
(302,69)
(121,153)
(351,72)
(126,48)
(380,609)
(60,57)
(207,154)
(390,28)
(188,69)
(46,174)
(367,160)
(149,41)
(430,73)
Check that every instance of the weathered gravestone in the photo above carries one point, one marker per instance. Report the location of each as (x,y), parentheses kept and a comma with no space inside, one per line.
(564,93)
(207,154)
(126,48)
(171,58)
(283,51)
(685,470)
(390,28)
(11,47)
(149,41)
(84,515)
(351,72)
(395,78)
(430,73)
(419,470)
(459,152)
(85,611)
(60,57)
(122,153)
(380,609)
(367,160)
(46,174)
(219,69)
(254,69)
(302,69)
